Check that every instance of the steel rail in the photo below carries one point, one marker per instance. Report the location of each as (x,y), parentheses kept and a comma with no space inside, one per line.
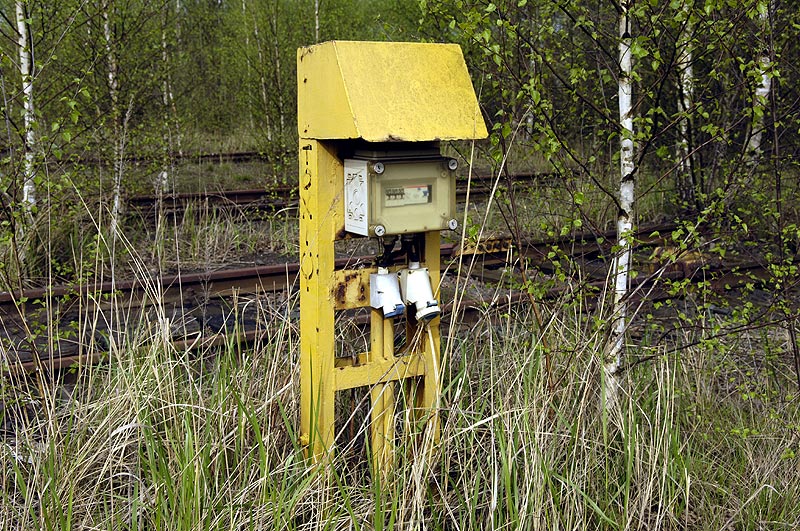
(200,287)
(273,277)
(279,196)
(645,287)
(211,157)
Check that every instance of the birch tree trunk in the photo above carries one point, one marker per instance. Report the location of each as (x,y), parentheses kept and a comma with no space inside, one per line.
(685,182)
(262,80)
(276,48)
(316,20)
(168,106)
(621,263)
(26,72)
(248,63)
(119,137)
(177,143)
(762,91)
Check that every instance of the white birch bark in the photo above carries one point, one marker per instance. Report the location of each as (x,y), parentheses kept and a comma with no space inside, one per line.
(168,103)
(316,20)
(262,79)
(163,176)
(278,84)
(177,144)
(118,140)
(248,64)
(178,16)
(685,100)
(161,182)
(762,90)
(621,263)
(26,71)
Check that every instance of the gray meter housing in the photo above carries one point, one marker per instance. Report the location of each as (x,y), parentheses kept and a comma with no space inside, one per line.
(399,193)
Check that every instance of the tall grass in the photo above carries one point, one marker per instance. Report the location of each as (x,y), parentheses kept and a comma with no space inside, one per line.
(160,439)
(205,439)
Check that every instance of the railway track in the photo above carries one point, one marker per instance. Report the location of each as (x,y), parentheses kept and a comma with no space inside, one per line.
(59,326)
(274,277)
(281,196)
(235,157)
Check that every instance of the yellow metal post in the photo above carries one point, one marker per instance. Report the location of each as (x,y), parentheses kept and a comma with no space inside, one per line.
(430,396)
(320,217)
(423,394)
(382,394)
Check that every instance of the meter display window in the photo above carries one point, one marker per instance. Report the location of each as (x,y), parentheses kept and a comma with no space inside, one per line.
(406,195)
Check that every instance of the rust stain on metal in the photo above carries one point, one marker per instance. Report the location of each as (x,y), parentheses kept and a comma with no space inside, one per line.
(351,288)
(487,246)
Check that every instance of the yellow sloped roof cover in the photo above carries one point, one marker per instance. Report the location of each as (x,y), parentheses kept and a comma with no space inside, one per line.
(386,91)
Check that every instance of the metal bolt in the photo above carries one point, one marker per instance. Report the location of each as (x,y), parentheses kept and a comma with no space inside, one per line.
(452,224)
(378,167)
(380,230)
(452,164)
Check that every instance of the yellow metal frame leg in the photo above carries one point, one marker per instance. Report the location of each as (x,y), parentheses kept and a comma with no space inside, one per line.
(428,399)
(382,395)
(320,169)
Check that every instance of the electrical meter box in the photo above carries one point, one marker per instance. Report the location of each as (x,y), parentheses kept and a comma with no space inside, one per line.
(399,192)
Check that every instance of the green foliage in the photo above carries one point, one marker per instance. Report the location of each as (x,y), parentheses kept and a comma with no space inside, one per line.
(120,88)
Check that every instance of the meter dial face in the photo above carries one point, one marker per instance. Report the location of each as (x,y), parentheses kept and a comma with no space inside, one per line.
(406,195)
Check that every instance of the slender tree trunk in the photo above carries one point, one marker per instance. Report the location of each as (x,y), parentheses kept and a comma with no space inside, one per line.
(316,20)
(762,91)
(170,137)
(26,71)
(161,183)
(178,133)
(686,182)
(262,79)
(178,17)
(248,64)
(278,77)
(621,263)
(116,118)
(166,96)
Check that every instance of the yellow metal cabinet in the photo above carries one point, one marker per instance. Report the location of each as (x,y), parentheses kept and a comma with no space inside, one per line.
(379,109)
